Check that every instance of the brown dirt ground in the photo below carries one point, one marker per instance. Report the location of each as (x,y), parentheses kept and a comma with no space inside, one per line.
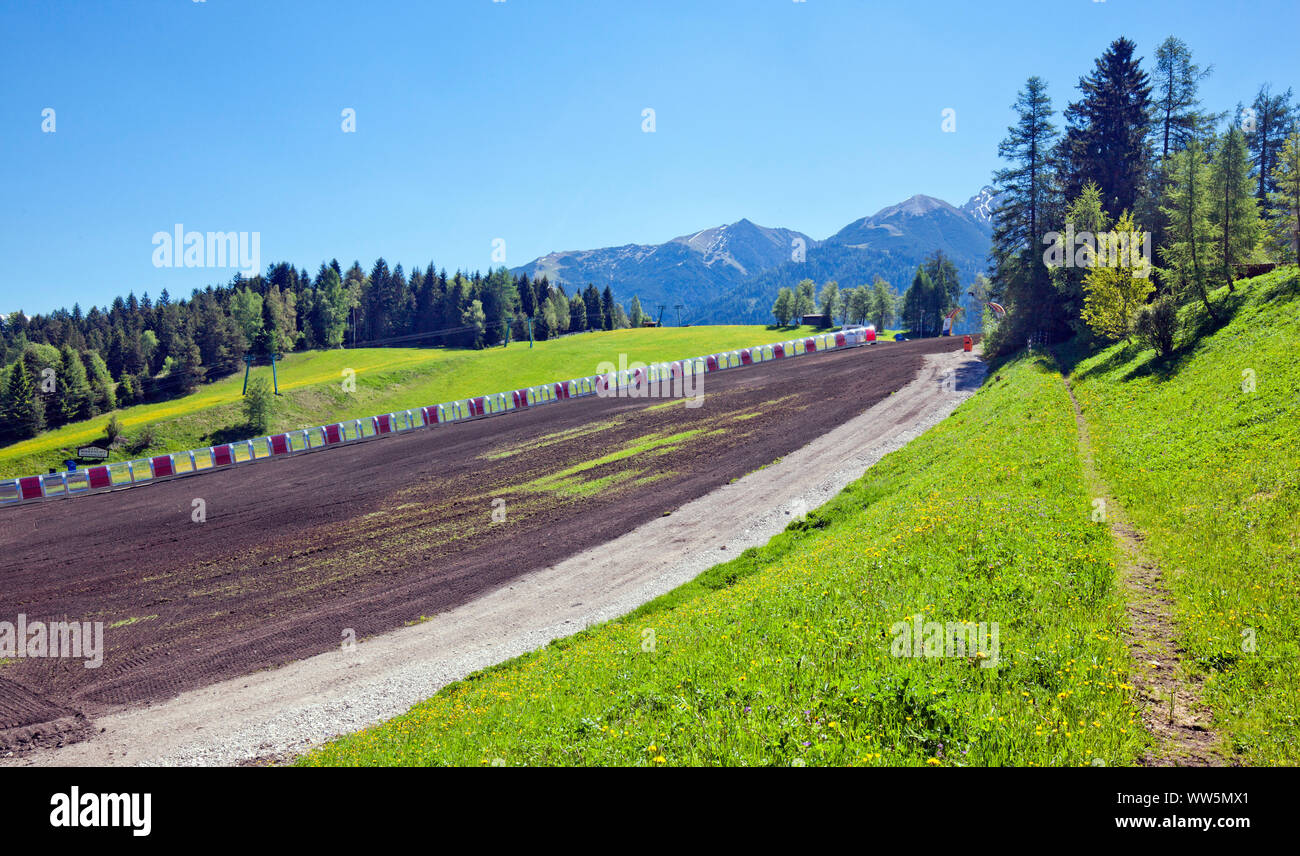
(380,535)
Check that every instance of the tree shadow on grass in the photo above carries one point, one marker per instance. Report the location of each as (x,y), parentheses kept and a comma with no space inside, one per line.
(233,434)
(1161,367)
(1071,357)
(1285,287)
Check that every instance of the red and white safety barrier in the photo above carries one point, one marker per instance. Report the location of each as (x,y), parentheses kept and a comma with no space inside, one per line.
(106,477)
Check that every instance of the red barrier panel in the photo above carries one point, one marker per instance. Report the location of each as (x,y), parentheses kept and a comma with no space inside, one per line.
(809,345)
(778,351)
(162,466)
(383,424)
(871,335)
(677,371)
(280,444)
(99,478)
(333,434)
(840,340)
(221,456)
(746,358)
(431,415)
(30,488)
(710,364)
(561,391)
(520,397)
(476,405)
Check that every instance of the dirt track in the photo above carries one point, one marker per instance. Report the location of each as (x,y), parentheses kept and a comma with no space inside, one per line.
(392,532)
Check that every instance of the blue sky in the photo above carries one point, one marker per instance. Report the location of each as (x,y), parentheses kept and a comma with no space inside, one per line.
(521,120)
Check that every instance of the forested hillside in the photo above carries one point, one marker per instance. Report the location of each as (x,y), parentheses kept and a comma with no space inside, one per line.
(1143,201)
(70,365)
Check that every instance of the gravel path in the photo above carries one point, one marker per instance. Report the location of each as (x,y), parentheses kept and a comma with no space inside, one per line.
(279,713)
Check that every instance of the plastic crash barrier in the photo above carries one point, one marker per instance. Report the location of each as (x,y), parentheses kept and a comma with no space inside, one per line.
(115,476)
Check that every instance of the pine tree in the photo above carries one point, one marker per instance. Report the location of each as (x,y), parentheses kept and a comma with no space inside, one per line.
(595,313)
(24,413)
(919,303)
(74,401)
(1106,139)
(527,296)
(116,356)
(1027,206)
(607,309)
(189,368)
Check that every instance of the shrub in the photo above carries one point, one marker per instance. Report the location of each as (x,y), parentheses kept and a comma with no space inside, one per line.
(258,404)
(142,441)
(1156,324)
(113,429)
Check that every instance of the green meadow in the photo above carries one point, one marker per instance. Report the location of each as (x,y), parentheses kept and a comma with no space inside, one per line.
(1201,451)
(387,379)
(791,654)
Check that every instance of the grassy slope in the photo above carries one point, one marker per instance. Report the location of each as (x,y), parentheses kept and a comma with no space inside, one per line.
(783,655)
(387,379)
(1208,471)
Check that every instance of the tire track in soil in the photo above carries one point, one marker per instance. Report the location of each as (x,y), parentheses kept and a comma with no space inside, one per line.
(1172,708)
(379,535)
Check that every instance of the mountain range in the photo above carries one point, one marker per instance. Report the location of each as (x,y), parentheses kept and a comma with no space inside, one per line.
(731,274)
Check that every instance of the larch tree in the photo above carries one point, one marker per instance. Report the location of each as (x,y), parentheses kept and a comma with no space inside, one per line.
(1234,212)
(1190,253)
(1175,86)
(1266,126)
(1285,200)
(1115,287)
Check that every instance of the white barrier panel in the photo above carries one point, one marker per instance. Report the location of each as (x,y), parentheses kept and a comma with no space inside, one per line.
(52,485)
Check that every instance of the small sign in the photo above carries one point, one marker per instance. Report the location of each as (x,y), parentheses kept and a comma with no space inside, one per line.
(93,453)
